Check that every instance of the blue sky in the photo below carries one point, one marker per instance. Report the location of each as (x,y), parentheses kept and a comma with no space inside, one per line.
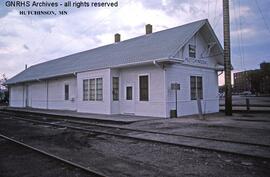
(34,39)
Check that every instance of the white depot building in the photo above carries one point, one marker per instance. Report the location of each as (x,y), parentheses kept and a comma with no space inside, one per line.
(130,77)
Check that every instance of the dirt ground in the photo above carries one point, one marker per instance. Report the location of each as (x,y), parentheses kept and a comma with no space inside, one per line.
(240,127)
(118,157)
(16,161)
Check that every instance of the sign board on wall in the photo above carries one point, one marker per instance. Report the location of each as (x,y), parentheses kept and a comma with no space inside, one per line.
(175,86)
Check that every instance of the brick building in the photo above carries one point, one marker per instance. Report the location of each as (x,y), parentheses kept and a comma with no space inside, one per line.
(256,81)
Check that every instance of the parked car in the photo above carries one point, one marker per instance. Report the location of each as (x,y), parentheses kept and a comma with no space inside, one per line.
(246,93)
(222,94)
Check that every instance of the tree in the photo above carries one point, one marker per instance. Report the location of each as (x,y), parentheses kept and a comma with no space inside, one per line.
(3,79)
(3,89)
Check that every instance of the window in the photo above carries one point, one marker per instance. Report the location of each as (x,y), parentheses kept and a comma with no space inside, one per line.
(192,51)
(196,87)
(92,90)
(143,82)
(85,90)
(99,88)
(129,93)
(66,92)
(115,88)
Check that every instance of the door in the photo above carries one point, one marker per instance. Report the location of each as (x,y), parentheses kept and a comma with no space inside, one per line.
(129,104)
(26,96)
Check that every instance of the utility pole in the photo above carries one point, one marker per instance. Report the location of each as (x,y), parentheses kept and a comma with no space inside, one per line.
(227,58)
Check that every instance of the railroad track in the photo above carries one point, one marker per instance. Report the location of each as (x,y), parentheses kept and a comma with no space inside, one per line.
(132,134)
(112,128)
(51,156)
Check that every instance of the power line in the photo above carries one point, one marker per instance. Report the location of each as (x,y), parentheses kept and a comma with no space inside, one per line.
(241,36)
(215,13)
(260,11)
(239,32)
(208,9)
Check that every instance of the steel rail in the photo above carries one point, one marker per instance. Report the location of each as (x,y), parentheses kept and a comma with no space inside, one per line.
(153,132)
(91,171)
(139,138)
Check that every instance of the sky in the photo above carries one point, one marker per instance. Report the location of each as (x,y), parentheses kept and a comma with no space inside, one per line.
(35,39)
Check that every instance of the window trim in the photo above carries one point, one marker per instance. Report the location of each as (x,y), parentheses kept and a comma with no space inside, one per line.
(83,94)
(149,86)
(95,89)
(89,89)
(66,95)
(132,93)
(113,88)
(196,87)
(193,45)
(96,95)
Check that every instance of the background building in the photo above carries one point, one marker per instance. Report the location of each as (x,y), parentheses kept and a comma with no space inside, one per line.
(256,81)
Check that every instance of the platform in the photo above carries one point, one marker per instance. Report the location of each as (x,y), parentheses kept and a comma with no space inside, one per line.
(116,118)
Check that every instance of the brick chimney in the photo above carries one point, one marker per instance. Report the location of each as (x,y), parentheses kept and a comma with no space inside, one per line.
(117,37)
(148,29)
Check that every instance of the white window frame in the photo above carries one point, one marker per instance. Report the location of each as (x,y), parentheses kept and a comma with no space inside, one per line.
(87,96)
(89,89)
(196,87)
(118,88)
(132,93)
(95,89)
(96,95)
(68,94)
(149,86)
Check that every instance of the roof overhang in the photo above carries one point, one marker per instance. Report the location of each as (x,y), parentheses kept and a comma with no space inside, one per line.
(40,79)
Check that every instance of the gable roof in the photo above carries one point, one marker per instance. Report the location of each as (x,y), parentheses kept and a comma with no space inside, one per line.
(158,45)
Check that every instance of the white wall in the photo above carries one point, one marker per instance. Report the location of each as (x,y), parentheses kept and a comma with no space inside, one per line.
(156,104)
(37,95)
(56,93)
(202,66)
(16,97)
(204,57)
(100,107)
(127,76)
(186,106)
(45,94)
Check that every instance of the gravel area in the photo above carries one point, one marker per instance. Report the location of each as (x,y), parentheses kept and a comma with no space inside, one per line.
(118,157)
(17,161)
(241,128)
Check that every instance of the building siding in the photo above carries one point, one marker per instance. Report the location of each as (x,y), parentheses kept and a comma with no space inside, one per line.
(49,94)
(99,107)
(186,106)
(156,104)
(16,97)
(56,99)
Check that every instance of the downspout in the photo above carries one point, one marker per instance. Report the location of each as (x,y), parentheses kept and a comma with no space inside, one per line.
(164,87)
(23,96)
(76,91)
(9,95)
